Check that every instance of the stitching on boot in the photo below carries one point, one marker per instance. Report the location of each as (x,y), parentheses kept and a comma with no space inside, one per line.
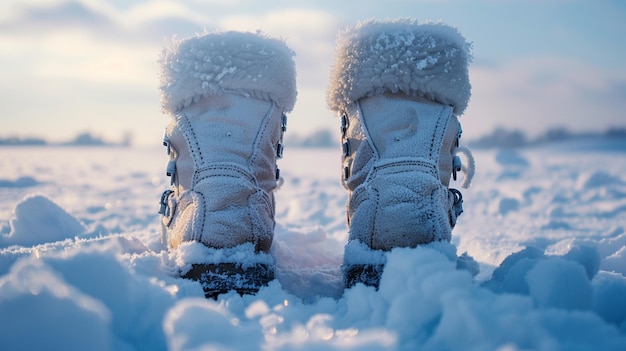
(261,134)
(260,198)
(211,171)
(432,215)
(374,230)
(436,133)
(191,136)
(370,142)
(430,168)
(201,201)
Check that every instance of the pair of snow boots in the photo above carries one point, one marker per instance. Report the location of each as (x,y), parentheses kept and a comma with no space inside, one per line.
(397,86)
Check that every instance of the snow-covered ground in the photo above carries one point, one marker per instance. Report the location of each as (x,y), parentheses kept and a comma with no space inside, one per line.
(82,266)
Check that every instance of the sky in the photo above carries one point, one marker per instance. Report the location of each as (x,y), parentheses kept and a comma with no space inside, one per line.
(69,67)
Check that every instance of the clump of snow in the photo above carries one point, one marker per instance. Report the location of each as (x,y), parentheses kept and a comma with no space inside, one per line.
(357,253)
(37,217)
(98,292)
(559,283)
(608,298)
(195,252)
(196,323)
(35,301)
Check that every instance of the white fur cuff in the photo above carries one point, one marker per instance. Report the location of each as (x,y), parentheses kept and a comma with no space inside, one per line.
(227,62)
(429,60)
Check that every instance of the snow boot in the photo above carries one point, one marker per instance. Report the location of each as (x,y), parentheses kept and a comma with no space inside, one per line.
(227,94)
(399,87)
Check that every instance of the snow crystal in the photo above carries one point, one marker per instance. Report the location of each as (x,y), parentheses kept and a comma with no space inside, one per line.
(428,61)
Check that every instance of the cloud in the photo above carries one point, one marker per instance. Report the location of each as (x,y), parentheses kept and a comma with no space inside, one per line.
(146,22)
(64,14)
(163,19)
(309,32)
(90,40)
(31,18)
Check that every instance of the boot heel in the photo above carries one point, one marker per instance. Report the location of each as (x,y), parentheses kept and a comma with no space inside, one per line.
(362,273)
(222,278)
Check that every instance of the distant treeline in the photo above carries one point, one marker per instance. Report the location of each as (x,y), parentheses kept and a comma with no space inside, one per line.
(82,139)
(499,138)
(505,138)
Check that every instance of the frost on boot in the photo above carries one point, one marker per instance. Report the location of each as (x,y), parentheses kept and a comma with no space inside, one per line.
(399,87)
(227,94)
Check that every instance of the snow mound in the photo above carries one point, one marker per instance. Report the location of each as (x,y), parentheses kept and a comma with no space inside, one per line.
(87,287)
(34,299)
(38,219)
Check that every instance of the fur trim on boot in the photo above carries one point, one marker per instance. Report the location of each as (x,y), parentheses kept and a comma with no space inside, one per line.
(246,64)
(428,60)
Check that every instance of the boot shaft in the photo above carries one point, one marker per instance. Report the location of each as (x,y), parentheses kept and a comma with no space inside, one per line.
(224,151)
(226,94)
(227,131)
(400,128)
(398,160)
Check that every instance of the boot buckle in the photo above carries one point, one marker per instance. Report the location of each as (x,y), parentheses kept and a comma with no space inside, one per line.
(164,208)
(457,205)
(456,166)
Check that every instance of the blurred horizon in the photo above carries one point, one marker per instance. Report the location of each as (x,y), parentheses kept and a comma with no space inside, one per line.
(499,137)
(90,66)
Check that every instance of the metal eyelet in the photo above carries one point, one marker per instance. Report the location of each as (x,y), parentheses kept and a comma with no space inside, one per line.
(284,123)
(344,125)
(346,148)
(456,166)
(164,208)
(171,171)
(279,150)
(167,144)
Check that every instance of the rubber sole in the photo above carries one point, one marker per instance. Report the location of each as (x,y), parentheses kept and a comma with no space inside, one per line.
(222,278)
(365,274)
